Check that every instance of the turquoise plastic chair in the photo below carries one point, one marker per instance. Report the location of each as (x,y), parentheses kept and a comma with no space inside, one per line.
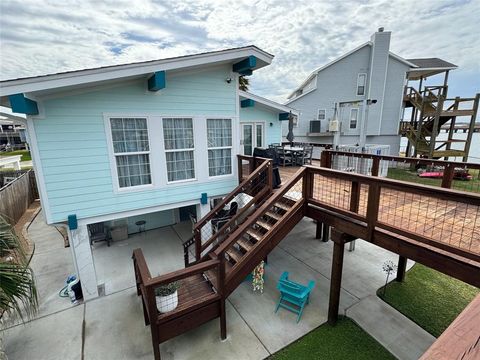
(293,296)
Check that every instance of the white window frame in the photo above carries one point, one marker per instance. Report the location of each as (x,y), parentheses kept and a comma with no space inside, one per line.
(113,155)
(364,84)
(350,119)
(220,147)
(178,150)
(324,114)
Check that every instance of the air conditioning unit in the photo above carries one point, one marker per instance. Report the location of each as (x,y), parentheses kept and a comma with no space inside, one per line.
(334,125)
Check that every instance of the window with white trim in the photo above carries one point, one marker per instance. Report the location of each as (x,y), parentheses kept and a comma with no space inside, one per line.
(219,142)
(353,118)
(179,148)
(131,150)
(321,114)
(361,81)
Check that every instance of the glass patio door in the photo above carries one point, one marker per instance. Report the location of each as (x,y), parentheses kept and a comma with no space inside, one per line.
(252,137)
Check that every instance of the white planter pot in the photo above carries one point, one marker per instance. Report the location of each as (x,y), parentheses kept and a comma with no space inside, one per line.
(167,303)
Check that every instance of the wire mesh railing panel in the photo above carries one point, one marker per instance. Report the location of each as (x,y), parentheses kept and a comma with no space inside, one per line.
(229,217)
(332,191)
(465,176)
(451,222)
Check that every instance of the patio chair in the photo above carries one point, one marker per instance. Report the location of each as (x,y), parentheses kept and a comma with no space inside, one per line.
(306,156)
(285,158)
(224,216)
(98,232)
(293,296)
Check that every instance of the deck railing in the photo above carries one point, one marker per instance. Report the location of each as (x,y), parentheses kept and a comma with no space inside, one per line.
(442,218)
(213,228)
(449,174)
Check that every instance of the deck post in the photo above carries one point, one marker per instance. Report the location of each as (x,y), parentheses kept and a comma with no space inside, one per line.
(336,276)
(325,232)
(221,286)
(152,307)
(448,174)
(401,268)
(319,229)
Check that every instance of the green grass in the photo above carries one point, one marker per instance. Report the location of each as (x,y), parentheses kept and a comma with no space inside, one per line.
(429,298)
(25,154)
(346,340)
(411,176)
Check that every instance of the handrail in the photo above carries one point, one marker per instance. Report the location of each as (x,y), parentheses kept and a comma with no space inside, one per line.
(234,219)
(182,273)
(139,260)
(231,195)
(375,186)
(404,159)
(260,212)
(445,194)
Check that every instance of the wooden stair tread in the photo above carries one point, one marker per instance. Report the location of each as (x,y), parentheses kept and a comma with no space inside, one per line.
(254,234)
(264,224)
(244,243)
(273,215)
(234,254)
(282,206)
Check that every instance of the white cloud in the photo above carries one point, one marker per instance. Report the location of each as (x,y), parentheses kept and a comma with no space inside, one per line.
(47,37)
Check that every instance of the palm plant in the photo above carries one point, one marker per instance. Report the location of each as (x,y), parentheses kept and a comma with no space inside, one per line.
(18,294)
(243,83)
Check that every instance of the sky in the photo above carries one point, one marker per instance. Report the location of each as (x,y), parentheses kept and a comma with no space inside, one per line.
(41,37)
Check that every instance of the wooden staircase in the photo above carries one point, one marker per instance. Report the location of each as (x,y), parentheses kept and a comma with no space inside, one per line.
(431,111)
(225,256)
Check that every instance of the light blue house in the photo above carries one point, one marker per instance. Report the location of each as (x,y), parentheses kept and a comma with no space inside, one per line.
(149,141)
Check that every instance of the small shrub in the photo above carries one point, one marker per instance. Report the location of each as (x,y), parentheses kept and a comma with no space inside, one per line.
(167,289)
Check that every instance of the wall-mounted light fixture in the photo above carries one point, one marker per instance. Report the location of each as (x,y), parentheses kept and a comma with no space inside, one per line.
(271,124)
(228,80)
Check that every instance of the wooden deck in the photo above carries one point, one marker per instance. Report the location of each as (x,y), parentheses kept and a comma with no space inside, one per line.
(193,290)
(446,221)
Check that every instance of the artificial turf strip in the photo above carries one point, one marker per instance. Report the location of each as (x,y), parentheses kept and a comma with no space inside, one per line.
(346,340)
(429,298)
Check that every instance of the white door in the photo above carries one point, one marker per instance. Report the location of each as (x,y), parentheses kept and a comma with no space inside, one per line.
(252,136)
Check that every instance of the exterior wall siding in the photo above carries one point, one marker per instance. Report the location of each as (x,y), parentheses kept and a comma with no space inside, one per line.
(273,134)
(336,83)
(74,149)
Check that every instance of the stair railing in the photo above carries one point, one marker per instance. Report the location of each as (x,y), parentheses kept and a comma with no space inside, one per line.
(257,186)
(295,188)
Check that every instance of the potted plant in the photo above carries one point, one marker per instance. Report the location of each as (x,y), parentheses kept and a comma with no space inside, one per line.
(167,296)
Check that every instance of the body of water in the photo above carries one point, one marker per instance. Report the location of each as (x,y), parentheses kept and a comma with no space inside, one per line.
(474,155)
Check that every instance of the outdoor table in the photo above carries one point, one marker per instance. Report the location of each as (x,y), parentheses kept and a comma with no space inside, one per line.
(294,151)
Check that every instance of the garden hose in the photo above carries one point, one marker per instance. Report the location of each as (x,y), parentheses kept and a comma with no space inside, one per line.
(63,293)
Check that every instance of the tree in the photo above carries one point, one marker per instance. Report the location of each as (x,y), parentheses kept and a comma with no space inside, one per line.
(243,83)
(18,293)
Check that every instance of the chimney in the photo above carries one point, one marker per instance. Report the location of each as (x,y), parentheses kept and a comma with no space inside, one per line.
(378,77)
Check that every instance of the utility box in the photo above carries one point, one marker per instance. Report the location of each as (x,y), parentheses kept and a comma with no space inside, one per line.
(119,232)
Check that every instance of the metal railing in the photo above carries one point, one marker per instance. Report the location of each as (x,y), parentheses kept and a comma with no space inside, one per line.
(212,229)
(443,218)
(447,174)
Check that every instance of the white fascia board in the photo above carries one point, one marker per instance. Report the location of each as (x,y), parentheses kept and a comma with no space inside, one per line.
(315,72)
(29,85)
(268,103)
(433,69)
(402,60)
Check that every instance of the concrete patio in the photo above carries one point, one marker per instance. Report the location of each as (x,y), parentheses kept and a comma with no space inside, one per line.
(114,327)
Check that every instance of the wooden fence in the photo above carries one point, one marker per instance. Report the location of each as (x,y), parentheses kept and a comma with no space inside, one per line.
(16,196)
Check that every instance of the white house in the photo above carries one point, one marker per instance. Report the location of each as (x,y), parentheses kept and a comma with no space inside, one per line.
(366,86)
(150,141)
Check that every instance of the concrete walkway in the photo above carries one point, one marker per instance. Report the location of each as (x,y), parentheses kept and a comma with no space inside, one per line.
(112,327)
